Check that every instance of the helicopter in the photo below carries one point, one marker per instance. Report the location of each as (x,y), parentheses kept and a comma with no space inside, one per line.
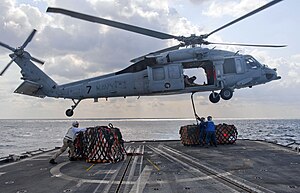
(157,73)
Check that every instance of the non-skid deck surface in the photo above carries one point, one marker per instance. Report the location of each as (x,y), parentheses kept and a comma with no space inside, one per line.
(163,166)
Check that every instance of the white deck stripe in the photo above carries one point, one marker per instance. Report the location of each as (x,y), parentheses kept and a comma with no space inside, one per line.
(112,179)
(132,169)
(141,166)
(143,179)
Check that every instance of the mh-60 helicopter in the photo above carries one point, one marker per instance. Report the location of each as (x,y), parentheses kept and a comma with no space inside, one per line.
(157,73)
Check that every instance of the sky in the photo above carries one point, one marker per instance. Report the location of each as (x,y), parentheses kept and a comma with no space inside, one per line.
(75,49)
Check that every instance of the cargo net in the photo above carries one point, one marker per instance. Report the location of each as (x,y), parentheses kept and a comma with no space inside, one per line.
(100,144)
(225,134)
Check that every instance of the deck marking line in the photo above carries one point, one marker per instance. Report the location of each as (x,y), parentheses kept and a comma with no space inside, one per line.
(132,169)
(143,179)
(112,179)
(140,169)
(125,171)
(88,169)
(55,171)
(217,173)
(159,151)
(110,171)
(154,165)
(108,184)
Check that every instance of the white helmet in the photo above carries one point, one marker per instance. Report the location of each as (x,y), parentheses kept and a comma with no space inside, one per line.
(75,124)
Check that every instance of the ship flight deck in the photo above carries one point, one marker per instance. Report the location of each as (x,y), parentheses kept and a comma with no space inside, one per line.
(162,166)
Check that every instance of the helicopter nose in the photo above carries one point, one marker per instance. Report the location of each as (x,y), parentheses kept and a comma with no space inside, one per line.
(271,74)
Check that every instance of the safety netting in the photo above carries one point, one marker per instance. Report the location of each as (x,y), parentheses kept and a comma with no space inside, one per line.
(225,134)
(100,144)
(190,135)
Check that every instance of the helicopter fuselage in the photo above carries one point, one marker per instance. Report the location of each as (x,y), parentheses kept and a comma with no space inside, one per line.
(163,74)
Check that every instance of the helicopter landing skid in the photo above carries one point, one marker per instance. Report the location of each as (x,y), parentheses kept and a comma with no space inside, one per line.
(70,112)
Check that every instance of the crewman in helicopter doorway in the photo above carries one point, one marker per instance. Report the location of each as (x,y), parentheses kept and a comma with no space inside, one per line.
(68,141)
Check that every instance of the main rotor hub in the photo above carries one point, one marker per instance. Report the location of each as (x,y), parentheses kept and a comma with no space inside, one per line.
(19,51)
(191,40)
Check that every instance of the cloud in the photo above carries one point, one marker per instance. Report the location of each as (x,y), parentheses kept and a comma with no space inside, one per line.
(294,70)
(232,8)
(199,1)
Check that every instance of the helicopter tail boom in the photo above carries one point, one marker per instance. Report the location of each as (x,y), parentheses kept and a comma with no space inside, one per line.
(36,82)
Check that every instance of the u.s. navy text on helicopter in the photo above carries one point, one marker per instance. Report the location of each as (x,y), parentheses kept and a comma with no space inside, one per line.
(158,73)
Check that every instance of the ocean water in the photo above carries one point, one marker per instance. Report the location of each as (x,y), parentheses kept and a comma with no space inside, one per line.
(19,136)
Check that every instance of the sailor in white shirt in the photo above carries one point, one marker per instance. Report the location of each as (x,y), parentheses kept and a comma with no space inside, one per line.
(68,142)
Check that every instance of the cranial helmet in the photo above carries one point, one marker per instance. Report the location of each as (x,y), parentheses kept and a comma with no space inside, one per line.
(75,124)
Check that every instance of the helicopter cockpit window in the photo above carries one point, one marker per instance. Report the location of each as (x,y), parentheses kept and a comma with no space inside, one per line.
(252,63)
(158,74)
(239,66)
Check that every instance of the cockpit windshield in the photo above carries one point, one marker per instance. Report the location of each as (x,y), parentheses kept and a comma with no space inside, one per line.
(251,62)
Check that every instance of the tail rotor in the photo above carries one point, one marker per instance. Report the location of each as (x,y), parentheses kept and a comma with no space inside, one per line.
(19,52)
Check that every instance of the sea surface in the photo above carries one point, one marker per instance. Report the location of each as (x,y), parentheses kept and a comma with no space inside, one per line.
(20,136)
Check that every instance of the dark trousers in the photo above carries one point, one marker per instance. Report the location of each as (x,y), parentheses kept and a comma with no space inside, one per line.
(211,137)
(201,136)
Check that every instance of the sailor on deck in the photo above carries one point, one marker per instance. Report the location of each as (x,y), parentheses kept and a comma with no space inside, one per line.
(68,142)
(202,128)
(210,132)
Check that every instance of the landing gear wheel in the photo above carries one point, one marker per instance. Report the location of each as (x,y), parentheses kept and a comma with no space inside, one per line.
(214,97)
(226,93)
(69,112)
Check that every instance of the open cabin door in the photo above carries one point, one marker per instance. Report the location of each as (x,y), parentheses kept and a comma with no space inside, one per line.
(165,78)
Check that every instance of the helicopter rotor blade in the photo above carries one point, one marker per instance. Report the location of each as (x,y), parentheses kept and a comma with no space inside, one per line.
(115,24)
(37,60)
(8,65)
(158,52)
(245,16)
(7,46)
(250,45)
(28,39)
(168,49)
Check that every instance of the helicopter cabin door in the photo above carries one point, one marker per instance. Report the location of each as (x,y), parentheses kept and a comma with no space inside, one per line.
(165,78)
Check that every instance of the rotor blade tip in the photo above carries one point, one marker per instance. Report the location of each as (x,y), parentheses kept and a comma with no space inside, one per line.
(51,9)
